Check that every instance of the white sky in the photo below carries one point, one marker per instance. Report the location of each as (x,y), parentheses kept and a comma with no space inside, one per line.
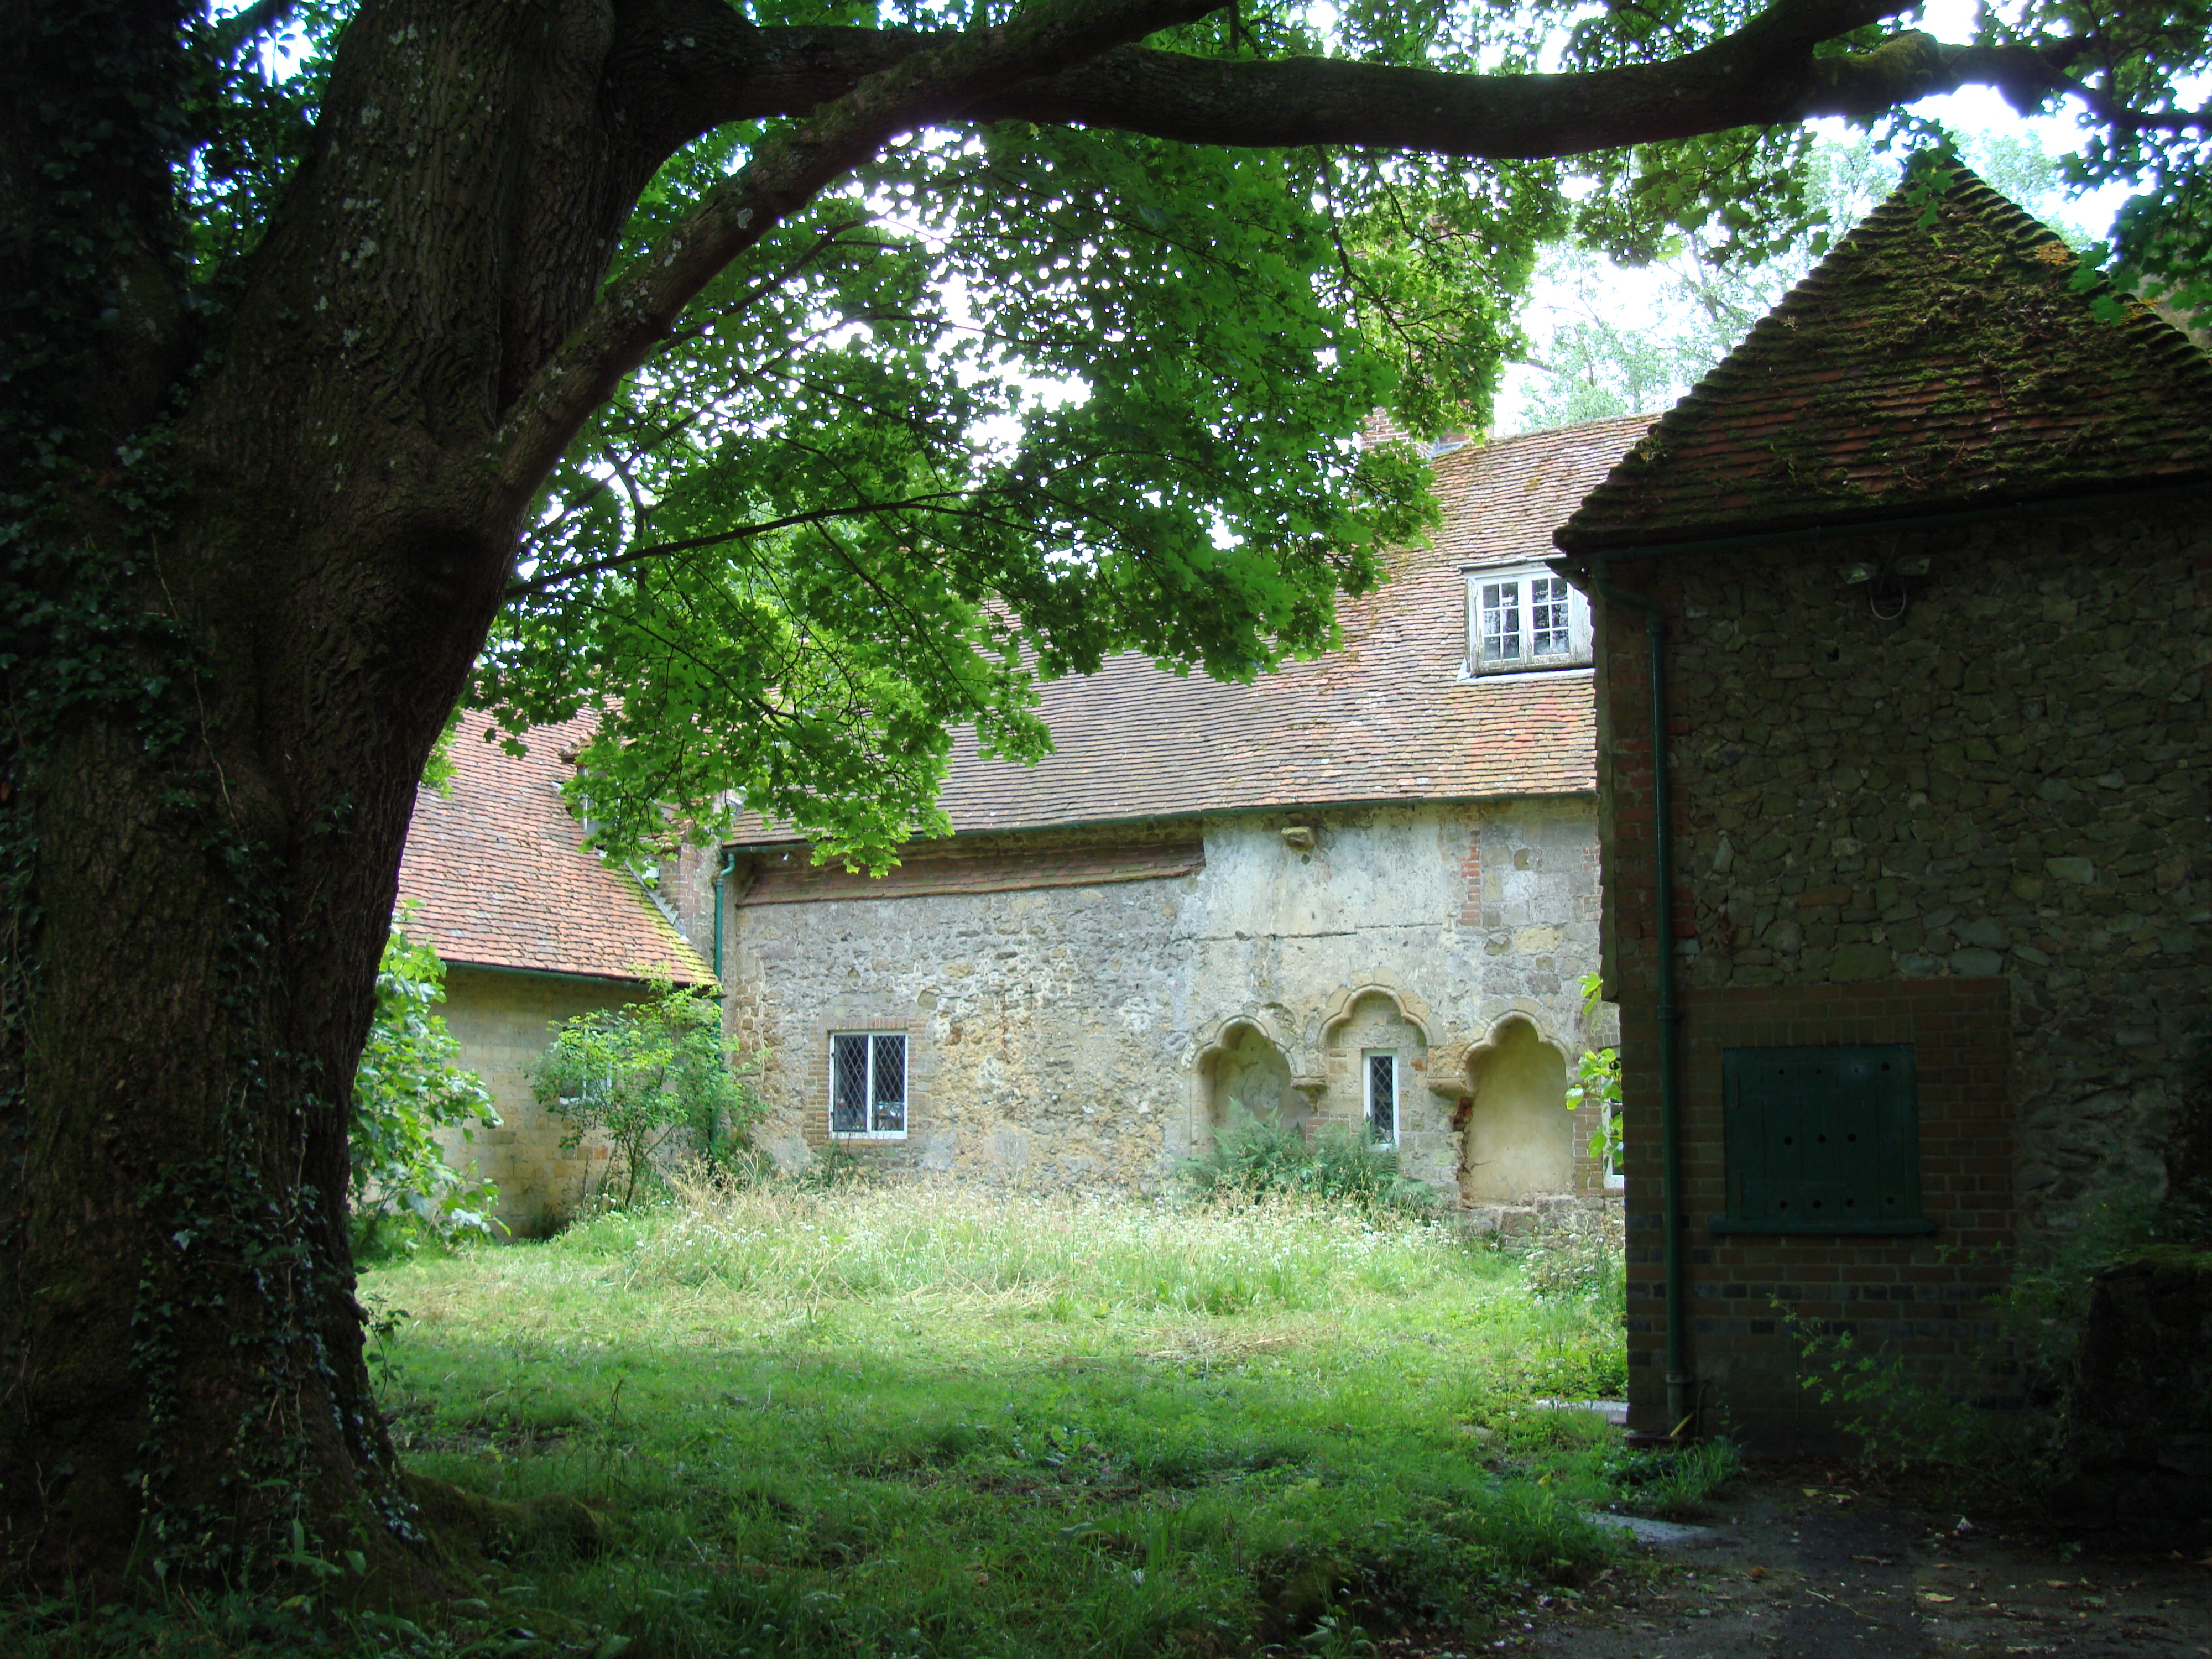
(1629,298)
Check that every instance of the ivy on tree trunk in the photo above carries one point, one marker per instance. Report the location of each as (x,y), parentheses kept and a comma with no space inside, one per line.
(273,432)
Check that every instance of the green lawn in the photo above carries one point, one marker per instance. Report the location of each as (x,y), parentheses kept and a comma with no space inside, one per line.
(916,1420)
(921,1420)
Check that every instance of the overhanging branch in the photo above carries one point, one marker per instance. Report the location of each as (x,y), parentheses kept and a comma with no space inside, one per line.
(926,86)
(1764,73)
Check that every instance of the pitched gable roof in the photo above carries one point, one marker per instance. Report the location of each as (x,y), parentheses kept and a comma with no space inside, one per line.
(1386,718)
(1940,359)
(500,877)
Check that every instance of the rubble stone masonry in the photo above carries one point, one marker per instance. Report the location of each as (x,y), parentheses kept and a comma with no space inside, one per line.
(1066,995)
(1976,821)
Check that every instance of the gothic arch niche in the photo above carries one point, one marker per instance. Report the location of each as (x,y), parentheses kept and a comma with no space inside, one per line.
(1245,1072)
(1520,1139)
(1372,1021)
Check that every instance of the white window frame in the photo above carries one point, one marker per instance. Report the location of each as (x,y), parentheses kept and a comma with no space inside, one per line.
(1367,1058)
(868,1106)
(1480,578)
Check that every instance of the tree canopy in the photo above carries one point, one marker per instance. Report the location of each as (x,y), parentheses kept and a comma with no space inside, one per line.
(909,440)
(789,382)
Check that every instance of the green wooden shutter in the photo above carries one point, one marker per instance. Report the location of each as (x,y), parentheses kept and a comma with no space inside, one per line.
(1821,1140)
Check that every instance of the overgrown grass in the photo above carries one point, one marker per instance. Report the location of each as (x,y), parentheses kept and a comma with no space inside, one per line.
(932,1421)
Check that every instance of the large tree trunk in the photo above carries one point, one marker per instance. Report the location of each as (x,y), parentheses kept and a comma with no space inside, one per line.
(215,870)
(205,851)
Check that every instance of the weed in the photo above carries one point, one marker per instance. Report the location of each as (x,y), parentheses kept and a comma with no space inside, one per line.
(1674,1483)
(1254,1159)
(1580,1254)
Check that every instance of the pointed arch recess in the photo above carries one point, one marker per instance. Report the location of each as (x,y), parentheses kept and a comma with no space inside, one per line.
(1414,1012)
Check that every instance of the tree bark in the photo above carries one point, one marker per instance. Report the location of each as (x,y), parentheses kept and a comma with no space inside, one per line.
(205,860)
(214,876)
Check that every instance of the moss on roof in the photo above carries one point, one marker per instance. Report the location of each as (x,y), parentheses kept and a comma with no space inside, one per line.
(1942,357)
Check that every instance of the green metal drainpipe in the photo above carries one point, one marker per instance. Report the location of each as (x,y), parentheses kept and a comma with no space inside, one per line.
(1670,1136)
(721,886)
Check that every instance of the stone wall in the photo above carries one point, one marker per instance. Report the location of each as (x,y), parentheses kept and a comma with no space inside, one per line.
(503,1022)
(2003,781)
(1092,1028)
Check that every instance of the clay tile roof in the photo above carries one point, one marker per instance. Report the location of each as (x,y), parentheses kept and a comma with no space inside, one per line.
(501,878)
(1385,718)
(1940,359)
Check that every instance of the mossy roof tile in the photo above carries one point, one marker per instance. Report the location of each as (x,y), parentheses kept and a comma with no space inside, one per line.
(1941,358)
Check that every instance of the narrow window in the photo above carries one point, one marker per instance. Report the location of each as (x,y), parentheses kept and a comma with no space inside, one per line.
(867,1084)
(1501,622)
(1383,1099)
(887,1093)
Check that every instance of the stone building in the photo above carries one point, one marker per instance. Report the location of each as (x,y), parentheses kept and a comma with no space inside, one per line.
(1362,889)
(533,929)
(1928,563)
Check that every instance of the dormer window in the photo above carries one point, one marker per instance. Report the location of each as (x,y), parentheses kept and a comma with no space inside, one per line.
(1522,618)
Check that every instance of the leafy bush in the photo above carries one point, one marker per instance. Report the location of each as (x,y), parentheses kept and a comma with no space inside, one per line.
(654,1080)
(1579,1255)
(1597,1080)
(406,1089)
(1255,1158)
(1905,1421)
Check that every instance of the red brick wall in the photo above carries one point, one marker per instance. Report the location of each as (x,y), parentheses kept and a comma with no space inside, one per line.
(1919,1297)
(1470,872)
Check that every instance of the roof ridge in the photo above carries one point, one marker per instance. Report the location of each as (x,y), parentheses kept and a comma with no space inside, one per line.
(1828,405)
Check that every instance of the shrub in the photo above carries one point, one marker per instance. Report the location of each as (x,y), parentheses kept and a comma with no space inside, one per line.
(1597,1081)
(654,1079)
(1255,1158)
(406,1089)
(1904,1422)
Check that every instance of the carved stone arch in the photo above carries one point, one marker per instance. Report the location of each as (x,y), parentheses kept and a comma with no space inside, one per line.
(1380,983)
(1215,1034)
(1537,1018)
(1234,1051)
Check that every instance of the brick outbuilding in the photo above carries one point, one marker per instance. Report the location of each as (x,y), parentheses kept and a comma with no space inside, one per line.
(1926,565)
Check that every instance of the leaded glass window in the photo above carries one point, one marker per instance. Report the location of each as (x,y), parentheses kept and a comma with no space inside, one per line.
(868,1083)
(1382,1098)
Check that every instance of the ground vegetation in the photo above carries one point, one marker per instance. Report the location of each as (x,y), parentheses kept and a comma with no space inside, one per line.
(932,1420)
(677,361)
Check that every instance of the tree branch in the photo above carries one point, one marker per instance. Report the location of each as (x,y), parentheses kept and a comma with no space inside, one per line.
(925,86)
(535,584)
(1764,73)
